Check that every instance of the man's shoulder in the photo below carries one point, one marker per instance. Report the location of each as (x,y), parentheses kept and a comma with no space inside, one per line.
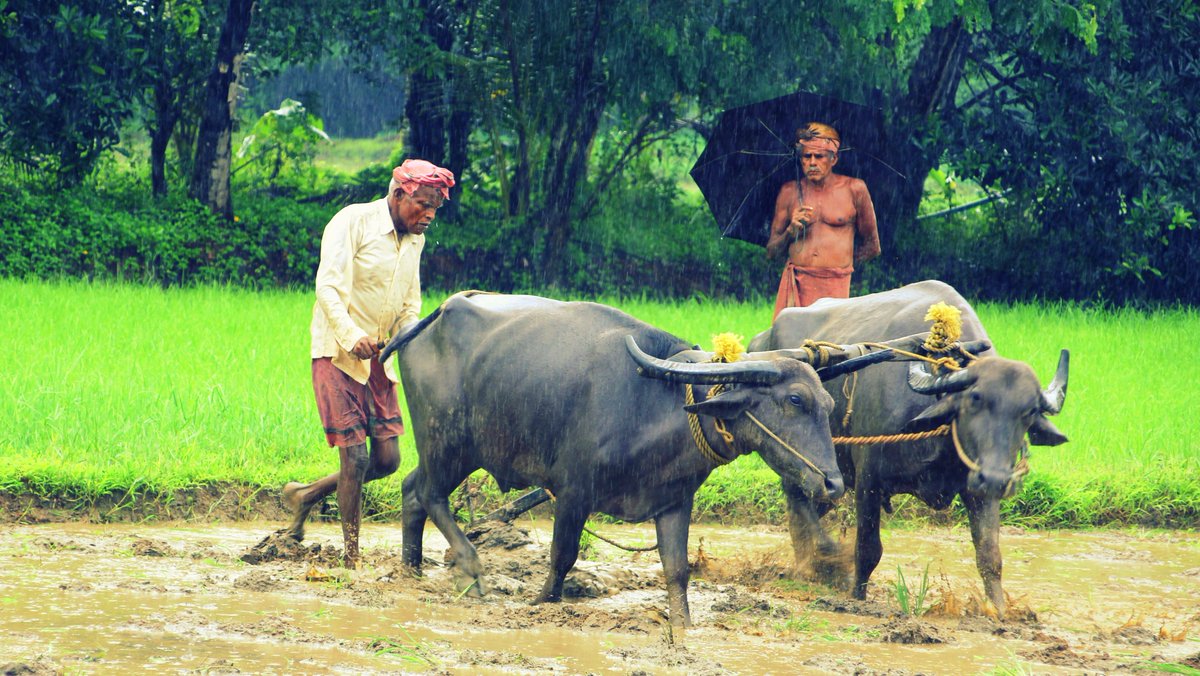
(355,215)
(851,183)
(360,209)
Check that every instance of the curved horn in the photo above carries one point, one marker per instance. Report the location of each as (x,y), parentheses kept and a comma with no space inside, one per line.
(923,382)
(894,350)
(751,372)
(1056,392)
(852,365)
(973,348)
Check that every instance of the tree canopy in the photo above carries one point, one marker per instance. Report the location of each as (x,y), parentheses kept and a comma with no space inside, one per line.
(1080,113)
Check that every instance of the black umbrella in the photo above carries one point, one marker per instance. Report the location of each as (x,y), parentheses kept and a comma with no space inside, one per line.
(751,154)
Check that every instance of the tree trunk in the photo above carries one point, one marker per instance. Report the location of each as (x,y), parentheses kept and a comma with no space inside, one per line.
(931,88)
(210,171)
(520,186)
(570,148)
(165,116)
(427,94)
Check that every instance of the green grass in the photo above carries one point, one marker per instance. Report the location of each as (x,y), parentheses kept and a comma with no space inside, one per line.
(136,391)
(349,155)
(911,600)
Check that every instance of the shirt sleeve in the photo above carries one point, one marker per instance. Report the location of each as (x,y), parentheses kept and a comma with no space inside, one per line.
(335,278)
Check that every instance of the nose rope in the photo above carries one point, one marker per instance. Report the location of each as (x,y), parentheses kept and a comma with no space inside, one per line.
(783,443)
(716,458)
(1019,470)
(962,455)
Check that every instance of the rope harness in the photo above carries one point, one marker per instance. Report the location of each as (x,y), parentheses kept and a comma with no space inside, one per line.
(936,347)
(702,444)
(818,356)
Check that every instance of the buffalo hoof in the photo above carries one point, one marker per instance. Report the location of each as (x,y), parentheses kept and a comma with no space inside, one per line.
(469,585)
(546,598)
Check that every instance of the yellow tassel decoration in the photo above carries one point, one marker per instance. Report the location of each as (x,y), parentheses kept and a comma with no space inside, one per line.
(946,329)
(727,347)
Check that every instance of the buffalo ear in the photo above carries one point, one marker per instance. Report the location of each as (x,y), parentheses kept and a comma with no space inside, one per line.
(726,405)
(935,415)
(1043,433)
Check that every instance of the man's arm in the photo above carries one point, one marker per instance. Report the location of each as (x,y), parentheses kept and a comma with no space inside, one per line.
(781,236)
(335,277)
(866,245)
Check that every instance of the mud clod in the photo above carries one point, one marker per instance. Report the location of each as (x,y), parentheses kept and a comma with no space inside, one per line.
(910,630)
(279,546)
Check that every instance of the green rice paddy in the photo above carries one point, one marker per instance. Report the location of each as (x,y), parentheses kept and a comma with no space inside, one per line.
(120,389)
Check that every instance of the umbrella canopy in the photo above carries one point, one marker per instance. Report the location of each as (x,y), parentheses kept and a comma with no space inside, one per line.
(751,154)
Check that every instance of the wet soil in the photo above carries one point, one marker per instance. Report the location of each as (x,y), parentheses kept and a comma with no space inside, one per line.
(226,598)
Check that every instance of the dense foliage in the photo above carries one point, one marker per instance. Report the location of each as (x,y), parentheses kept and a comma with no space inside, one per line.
(571,125)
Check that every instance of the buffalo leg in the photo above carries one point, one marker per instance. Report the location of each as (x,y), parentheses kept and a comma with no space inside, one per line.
(868,547)
(569,519)
(468,570)
(984,516)
(413,518)
(811,545)
(672,529)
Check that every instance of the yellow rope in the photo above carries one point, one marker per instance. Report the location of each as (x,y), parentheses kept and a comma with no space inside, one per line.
(1020,470)
(698,435)
(818,352)
(893,438)
(962,455)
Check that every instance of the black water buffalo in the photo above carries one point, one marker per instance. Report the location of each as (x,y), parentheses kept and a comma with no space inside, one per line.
(991,405)
(548,393)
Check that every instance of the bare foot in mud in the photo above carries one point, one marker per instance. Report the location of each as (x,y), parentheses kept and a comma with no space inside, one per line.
(294,503)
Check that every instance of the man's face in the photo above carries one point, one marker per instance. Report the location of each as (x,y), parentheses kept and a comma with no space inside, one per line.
(818,164)
(413,213)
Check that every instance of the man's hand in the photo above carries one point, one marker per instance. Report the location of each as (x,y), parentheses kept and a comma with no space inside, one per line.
(365,348)
(801,218)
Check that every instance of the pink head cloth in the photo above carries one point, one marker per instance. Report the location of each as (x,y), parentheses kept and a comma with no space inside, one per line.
(416,173)
(822,143)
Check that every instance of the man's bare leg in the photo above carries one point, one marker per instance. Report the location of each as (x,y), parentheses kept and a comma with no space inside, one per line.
(300,498)
(355,461)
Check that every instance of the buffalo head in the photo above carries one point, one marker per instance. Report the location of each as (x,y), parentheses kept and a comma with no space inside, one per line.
(771,403)
(991,405)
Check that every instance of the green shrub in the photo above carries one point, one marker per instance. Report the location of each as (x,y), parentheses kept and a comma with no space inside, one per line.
(94,233)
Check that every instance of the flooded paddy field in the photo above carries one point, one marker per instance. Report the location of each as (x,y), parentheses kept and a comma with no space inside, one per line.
(182,598)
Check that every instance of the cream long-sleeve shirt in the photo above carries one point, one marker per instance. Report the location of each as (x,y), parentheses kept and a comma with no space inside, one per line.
(368,280)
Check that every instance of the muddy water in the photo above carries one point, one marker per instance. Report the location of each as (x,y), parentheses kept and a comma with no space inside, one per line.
(83,598)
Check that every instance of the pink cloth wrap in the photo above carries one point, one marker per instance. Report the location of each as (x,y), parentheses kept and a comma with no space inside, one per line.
(821,144)
(416,173)
(801,287)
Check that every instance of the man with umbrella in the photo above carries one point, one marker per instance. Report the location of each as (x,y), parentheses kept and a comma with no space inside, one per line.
(824,224)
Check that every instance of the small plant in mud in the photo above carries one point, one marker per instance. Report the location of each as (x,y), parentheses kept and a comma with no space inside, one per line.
(911,602)
(1167,668)
(587,542)
(409,649)
(1013,668)
(798,624)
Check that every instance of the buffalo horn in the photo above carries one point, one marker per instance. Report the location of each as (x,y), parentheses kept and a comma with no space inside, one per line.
(923,382)
(974,347)
(907,344)
(709,373)
(1056,392)
(851,365)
